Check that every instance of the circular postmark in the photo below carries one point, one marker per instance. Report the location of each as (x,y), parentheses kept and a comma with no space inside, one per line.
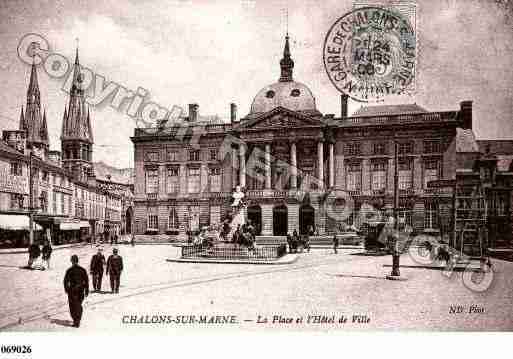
(369,53)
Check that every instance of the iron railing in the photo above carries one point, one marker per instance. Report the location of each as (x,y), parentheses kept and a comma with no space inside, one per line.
(234,252)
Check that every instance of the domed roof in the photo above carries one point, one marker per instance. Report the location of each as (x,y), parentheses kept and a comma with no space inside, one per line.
(286,92)
(292,95)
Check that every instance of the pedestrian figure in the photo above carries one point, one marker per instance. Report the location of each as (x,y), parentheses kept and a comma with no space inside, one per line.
(289,242)
(295,240)
(310,230)
(306,243)
(34,253)
(47,253)
(76,286)
(114,269)
(132,240)
(335,243)
(116,238)
(236,235)
(251,229)
(96,269)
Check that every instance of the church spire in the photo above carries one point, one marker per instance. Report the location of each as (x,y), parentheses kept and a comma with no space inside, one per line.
(32,121)
(22,120)
(76,122)
(44,128)
(286,63)
(33,95)
(76,86)
(77,134)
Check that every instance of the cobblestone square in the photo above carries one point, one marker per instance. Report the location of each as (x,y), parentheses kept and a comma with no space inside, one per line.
(316,292)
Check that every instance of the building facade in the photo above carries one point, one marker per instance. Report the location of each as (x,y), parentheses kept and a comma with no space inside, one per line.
(62,194)
(298,167)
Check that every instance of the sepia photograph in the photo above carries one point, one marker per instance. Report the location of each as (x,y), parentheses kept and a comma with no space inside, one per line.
(177,166)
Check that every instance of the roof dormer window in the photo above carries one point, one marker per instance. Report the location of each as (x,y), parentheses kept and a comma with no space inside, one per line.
(269,94)
(295,93)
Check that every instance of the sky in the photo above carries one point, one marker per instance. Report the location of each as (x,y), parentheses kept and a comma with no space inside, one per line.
(215,53)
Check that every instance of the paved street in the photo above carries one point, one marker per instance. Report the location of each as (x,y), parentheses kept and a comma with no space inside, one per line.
(318,283)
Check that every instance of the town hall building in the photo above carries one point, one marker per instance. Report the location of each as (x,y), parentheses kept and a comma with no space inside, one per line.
(298,168)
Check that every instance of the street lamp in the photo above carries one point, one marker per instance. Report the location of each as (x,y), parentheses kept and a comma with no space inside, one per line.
(396,274)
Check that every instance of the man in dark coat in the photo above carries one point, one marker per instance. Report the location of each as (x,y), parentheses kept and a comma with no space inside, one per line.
(34,253)
(335,243)
(47,253)
(289,242)
(236,235)
(114,269)
(76,286)
(96,269)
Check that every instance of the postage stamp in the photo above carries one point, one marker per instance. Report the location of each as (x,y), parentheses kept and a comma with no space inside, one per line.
(369,53)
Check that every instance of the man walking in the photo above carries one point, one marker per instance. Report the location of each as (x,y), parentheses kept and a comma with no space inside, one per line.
(47,253)
(76,286)
(96,269)
(335,243)
(34,253)
(114,269)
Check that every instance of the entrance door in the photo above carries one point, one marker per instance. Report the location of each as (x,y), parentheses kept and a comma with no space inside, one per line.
(306,218)
(255,216)
(280,219)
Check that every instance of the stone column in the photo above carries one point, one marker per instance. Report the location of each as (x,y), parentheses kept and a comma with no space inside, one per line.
(331,165)
(234,167)
(242,166)
(183,181)
(162,172)
(390,176)
(366,177)
(418,181)
(267,166)
(293,170)
(320,165)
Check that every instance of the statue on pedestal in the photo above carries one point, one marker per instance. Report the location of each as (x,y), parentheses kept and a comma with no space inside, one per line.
(237,196)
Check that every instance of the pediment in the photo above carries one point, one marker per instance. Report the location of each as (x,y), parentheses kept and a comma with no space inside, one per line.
(279,118)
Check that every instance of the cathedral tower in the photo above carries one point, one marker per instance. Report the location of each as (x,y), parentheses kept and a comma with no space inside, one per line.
(32,121)
(77,135)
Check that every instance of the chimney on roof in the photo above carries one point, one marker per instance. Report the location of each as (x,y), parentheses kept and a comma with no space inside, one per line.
(16,139)
(193,112)
(233,113)
(343,105)
(466,114)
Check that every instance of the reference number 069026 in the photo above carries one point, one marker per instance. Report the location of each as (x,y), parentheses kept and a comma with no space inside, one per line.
(16,349)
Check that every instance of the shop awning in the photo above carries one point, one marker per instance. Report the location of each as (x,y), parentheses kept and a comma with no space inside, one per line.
(84,224)
(16,222)
(69,226)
